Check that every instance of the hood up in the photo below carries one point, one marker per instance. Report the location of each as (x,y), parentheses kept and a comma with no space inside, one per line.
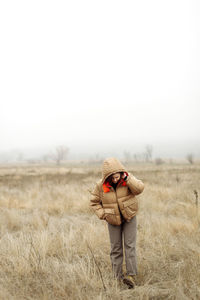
(110,166)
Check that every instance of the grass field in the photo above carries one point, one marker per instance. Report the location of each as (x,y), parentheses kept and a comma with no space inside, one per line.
(51,243)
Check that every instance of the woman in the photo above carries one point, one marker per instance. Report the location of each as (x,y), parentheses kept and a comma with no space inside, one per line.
(113,199)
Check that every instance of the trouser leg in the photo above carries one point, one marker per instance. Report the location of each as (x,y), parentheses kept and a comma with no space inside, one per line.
(130,232)
(116,253)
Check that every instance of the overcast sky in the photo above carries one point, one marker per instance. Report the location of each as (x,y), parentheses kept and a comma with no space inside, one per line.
(100,74)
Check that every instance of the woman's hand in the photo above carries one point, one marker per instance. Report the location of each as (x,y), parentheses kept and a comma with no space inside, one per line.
(125,176)
(104,216)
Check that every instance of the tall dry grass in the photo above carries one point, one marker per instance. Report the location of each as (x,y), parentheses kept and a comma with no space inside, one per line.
(46,227)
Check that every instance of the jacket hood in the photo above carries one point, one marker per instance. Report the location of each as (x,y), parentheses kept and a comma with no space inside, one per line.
(111,165)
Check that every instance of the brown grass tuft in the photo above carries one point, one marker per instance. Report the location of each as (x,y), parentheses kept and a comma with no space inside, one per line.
(47,225)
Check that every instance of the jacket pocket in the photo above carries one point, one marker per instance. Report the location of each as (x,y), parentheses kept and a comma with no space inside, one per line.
(110,216)
(131,207)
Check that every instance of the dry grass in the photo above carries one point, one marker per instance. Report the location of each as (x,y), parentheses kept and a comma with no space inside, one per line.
(46,227)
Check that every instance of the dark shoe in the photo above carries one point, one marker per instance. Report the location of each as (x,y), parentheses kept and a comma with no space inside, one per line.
(130,281)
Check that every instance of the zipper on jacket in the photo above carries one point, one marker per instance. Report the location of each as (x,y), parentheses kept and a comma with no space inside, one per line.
(115,191)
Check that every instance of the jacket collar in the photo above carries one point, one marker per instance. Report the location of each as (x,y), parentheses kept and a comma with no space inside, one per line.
(107,186)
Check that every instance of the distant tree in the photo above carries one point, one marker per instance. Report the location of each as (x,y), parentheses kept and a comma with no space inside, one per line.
(60,154)
(148,153)
(190,158)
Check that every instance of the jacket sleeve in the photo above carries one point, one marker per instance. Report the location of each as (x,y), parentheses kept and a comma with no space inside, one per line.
(135,185)
(95,202)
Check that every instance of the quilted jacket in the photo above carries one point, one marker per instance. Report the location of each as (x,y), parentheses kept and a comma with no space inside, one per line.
(107,203)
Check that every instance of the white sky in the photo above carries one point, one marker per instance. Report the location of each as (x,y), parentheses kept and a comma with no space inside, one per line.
(85,73)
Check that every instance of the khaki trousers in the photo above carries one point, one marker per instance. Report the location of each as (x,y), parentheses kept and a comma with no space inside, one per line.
(119,235)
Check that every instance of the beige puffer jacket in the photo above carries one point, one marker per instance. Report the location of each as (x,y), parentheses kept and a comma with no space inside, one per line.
(107,203)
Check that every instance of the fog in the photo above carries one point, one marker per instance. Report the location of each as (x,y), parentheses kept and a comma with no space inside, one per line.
(100,77)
